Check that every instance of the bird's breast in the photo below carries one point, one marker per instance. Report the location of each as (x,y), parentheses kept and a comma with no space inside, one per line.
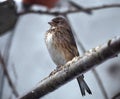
(55,53)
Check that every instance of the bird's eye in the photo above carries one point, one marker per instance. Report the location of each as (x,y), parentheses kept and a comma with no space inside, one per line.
(57,21)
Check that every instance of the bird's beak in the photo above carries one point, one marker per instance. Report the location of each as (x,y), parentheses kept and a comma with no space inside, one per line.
(50,23)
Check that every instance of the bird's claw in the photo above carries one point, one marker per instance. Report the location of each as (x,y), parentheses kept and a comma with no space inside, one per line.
(56,70)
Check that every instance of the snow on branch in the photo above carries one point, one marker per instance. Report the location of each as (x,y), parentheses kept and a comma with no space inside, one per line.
(74,68)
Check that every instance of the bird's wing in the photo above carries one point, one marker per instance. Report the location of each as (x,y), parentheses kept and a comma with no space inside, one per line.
(66,43)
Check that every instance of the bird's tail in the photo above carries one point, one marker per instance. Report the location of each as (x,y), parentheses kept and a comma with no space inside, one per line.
(83,85)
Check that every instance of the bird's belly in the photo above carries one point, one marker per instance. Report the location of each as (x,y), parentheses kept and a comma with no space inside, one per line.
(55,54)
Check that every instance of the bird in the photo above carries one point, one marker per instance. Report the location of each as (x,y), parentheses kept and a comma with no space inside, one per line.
(62,47)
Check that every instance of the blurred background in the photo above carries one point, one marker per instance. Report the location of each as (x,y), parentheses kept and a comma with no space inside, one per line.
(27,60)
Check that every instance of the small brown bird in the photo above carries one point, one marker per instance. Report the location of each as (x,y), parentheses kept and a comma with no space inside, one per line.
(62,46)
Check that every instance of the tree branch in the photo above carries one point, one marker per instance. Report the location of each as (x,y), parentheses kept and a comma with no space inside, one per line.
(116,96)
(89,9)
(74,68)
(99,81)
(8,76)
(79,7)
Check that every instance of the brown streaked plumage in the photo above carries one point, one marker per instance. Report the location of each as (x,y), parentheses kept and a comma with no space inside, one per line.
(62,46)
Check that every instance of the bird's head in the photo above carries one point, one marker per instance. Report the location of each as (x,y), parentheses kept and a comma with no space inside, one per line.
(58,21)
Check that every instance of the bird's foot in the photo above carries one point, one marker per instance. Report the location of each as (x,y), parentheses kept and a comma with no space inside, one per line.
(56,70)
(53,72)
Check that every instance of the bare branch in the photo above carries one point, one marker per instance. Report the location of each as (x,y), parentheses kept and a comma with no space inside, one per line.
(79,7)
(89,9)
(39,12)
(101,86)
(6,55)
(14,71)
(117,96)
(8,76)
(74,68)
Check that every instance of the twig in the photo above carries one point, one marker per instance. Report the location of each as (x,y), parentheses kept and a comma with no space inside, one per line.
(1,83)
(8,4)
(6,60)
(39,12)
(116,96)
(74,68)
(7,50)
(7,55)
(8,76)
(8,46)
(70,11)
(14,71)
(76,38)
(10,0)
(79,7)
(100,83)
